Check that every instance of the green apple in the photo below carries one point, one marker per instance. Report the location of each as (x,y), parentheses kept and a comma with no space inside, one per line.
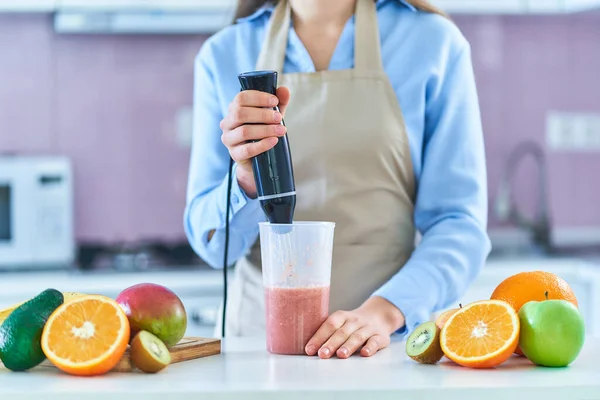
(552,332)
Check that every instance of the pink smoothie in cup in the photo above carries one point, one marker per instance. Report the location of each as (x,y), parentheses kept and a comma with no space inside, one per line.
(293,317)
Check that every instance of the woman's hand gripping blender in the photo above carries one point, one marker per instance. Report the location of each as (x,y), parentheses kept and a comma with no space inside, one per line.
(255,136)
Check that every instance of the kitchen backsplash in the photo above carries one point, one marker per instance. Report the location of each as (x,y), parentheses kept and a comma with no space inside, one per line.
(110,103)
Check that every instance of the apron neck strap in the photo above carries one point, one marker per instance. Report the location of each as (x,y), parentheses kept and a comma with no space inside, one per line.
(272,52)
(367,48)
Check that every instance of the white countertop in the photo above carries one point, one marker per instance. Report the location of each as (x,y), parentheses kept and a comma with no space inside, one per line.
(246,371)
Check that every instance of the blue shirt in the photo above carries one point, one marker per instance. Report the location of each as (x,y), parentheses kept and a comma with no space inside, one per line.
(428,62)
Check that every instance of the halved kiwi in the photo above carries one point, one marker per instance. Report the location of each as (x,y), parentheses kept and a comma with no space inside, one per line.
(423,345)
(148,353)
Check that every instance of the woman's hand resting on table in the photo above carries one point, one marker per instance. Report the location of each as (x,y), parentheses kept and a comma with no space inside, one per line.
(252,127)
(366,329)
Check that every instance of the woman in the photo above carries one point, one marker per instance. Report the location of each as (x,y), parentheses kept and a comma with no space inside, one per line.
(384,127)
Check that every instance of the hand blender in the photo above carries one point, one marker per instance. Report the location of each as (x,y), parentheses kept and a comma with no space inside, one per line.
(273,173)
(273,176)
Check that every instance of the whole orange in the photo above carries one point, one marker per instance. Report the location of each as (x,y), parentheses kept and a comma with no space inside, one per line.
(518,289)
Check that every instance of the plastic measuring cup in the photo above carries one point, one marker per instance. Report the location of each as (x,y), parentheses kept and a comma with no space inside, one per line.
(296,269)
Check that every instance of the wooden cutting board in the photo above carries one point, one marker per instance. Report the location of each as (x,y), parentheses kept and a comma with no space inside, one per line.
(189,348)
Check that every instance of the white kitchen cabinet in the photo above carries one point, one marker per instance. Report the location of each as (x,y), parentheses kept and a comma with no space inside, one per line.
(583,277)
(143,16)
(224,8)
(141,5)
(561,6)
(481,6)
(27,5)
(227,6)
(515,6)
(139,22)
(209,16)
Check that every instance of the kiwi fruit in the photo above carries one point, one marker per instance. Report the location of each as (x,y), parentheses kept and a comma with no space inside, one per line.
(423,344)
(149,353)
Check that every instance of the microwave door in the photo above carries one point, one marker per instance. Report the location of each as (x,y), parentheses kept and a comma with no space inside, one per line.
(6,228)
(16,223)
(11,242)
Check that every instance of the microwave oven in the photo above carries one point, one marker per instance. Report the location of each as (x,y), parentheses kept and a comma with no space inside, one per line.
(36,212)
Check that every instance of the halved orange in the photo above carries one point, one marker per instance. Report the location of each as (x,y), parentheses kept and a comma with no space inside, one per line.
(87,336)
(483,334)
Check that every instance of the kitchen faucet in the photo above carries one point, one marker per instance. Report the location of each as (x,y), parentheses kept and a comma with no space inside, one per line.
(505,207)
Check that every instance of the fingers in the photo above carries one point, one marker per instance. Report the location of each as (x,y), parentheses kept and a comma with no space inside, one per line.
(374,344)
(252,126)
(254,98)
(251,107)
(344,333)
(283,94)
(354,342)
(255,107)
(245,133)
(328,328)
(246,151)
(239,116)
(339,337)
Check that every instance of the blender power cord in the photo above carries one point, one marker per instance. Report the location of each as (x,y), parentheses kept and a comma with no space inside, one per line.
(225,261)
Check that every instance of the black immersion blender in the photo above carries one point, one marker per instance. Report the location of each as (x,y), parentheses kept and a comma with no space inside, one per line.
(273,173)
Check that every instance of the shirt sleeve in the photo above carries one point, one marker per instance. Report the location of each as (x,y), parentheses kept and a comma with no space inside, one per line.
(207,180)
(451,204)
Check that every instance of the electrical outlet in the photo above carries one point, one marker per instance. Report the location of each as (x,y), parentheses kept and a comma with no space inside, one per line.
(573,131)
(184,126)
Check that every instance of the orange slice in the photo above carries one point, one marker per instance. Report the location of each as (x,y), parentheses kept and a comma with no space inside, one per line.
(483,334)
(87,336)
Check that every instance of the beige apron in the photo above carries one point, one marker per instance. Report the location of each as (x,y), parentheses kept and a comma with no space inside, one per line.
(352,166)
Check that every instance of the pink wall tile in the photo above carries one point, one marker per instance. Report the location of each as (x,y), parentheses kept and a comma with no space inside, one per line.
(526,66)
(27,114)
(109,102)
